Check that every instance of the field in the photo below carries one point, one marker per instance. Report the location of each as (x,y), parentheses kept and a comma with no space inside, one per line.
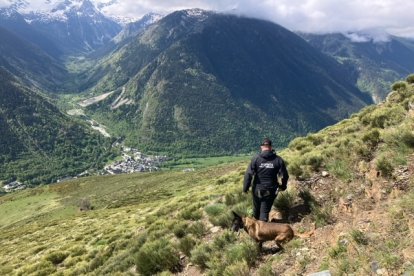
(352,183)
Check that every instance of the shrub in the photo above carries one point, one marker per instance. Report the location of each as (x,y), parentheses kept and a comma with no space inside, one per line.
(77,251)
(384,166)
(266,270)
(359,237)
(372,138)
(191,214)
(224,220)
(295,169)
(314,160)
(186,245)
(180,229)
(215,209)
(44,267)
(201,255)
(57,257)
(239,268)
(315,139)
(157,256)
(300,143)
(224,239)
(246,251)
(398,86)
(337,251)
(341,169)
(85,204)
(321,215)
(407,138)
(307,197)
(284,202)
(197,229)
(410,79)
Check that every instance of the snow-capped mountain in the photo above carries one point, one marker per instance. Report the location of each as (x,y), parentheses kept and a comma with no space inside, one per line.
(134,28)
(75,26)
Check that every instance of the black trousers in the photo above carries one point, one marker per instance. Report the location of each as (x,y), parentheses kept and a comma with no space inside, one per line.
(263,204)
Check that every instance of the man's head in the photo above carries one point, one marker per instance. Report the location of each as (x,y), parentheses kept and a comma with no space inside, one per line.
(266,144)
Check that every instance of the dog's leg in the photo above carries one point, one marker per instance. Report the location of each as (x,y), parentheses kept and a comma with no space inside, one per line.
(260,244)
(279,246)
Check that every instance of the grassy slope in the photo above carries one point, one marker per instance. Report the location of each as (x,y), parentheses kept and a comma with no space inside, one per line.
(135,215)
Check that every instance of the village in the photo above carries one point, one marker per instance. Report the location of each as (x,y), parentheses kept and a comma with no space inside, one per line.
(134,161)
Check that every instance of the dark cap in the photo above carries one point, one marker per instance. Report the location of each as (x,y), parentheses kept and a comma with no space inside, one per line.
(266,142)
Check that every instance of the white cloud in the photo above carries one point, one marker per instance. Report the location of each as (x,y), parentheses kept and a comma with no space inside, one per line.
(321,16)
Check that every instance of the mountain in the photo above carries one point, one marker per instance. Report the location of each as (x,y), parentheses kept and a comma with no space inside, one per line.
(73,26)
(377,63)
(15,23)
(39,144)
(201,82)
(30,63)
(134,28)
(355,193)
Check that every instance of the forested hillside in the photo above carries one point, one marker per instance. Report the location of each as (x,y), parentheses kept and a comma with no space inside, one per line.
(39,144)
(195,79)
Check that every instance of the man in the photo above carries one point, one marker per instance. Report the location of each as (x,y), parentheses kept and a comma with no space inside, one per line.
(264,169)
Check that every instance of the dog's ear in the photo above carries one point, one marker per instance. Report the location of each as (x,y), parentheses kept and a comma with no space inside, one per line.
(235,214)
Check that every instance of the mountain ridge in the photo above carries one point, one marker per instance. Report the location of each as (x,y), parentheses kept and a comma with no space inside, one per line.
(185,57)
(377,64)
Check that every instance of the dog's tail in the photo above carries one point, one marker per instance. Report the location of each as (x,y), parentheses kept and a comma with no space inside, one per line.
(306,234)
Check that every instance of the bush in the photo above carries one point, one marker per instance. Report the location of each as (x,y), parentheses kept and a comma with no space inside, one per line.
(85,204)
(191,214)
(341,169)
(359,237)
(322,216)
(410,79)
(57,257)
(307,197)
(157,256)
(180,229)
(407,137)
(284,202)
(384,166)
(186,245)
(246,251)
(224,239)
(239,269)
(224,220)
(314,160)
(399,86)
(215,209)
(337,251)
(197,229)
(295,169)
(372,138)
(201,255)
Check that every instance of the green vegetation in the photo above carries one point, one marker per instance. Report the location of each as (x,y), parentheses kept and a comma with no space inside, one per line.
(39,143)
(155,222)
(179,90)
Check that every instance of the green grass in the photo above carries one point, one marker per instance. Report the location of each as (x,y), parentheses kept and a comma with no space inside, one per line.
(136,215)
(202,162)
(45,228)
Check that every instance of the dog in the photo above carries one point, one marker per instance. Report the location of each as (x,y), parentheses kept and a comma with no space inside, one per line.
(262,231)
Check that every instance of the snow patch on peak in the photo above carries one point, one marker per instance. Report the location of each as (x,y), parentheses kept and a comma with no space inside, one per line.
(198,13)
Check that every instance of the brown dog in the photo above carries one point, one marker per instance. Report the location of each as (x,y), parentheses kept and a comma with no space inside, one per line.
(262,231)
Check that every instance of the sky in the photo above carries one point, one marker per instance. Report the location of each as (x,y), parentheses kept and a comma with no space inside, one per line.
(374,17)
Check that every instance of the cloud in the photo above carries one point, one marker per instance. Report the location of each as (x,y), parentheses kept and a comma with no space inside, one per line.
(317,16)
(320,16)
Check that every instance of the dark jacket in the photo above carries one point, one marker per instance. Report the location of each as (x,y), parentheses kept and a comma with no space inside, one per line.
(265,167)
